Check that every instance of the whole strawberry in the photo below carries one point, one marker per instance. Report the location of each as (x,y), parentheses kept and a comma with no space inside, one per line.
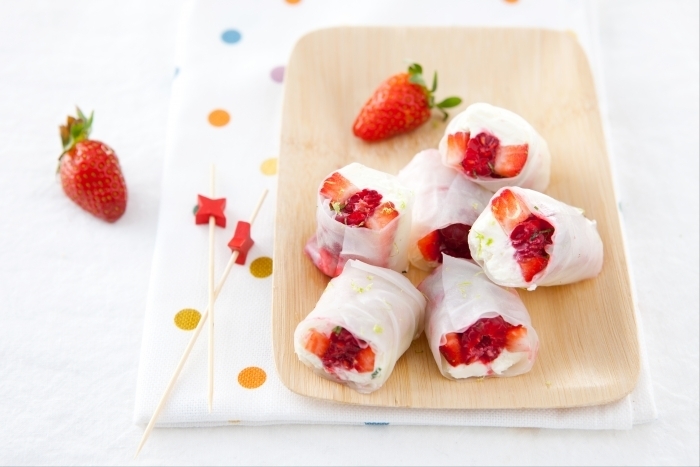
(90,172)
(400,104)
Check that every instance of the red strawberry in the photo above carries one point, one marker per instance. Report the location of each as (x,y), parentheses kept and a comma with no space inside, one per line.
(429,246)
(457,147)
(452,349)
(531,266)
(510,160)
(509,210)
(328,262)
(364,360)
(382,215)
(337,188)
(90,172)
(515,339)
(317,343)
(400,104)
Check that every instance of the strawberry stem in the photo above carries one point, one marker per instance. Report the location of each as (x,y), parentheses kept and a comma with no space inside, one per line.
(75,130)
(415,72)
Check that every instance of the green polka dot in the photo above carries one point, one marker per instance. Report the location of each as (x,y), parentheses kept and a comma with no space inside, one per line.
(261,267)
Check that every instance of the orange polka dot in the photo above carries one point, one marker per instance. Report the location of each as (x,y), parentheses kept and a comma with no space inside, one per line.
(252,377)
(261,267)
(219,117)
(269,166)
(187,319)
(292,2)
(511,1)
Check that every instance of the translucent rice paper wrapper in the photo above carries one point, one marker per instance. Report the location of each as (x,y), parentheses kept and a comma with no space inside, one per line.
(576,252)
(511,129)
(443,197)
(378,306)
(335,243)
(458,295)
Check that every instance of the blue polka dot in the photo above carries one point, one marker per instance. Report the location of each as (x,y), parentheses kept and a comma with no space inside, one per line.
(231,36)
(177,72)
(377,423)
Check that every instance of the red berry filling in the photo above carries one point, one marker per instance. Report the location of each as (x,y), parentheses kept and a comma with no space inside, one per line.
(454,241)
(451,240)
(341,350)
(529,238)
(482,342)
(481,155)
(358,208)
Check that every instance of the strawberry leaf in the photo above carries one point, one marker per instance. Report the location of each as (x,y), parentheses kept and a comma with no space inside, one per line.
(75,130)
(449,102)
(417,79)
(415,69)
(434,86)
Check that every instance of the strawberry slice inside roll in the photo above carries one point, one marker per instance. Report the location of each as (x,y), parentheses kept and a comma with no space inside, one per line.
(364,321)
(474,327)
(495,147)
(526,239)
(362,214)
(445,207)
(341,351)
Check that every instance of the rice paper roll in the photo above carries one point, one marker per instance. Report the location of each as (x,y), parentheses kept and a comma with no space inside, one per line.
(365,320)
(362,214)
(527,239)
(474,327)
(496,148)
(445,207)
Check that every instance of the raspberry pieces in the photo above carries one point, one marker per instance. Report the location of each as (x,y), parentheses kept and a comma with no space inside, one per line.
(482,342)
(341,351)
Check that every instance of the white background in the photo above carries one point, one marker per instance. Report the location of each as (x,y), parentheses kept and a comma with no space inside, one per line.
(73,288)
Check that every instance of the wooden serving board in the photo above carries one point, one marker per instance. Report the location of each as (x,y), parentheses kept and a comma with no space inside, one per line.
(588,335)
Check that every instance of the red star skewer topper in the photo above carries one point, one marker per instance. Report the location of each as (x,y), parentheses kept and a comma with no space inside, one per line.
(207,208)
(241,241)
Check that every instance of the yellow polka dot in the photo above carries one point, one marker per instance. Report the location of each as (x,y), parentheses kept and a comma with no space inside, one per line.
(292,2)
(252,377)
(219,117)
(261,267)
(511,1)
(269,166)
(187,319)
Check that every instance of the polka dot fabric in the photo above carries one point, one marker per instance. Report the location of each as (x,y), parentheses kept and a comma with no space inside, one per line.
(226,110)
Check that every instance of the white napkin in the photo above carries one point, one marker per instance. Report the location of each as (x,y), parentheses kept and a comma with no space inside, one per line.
(225,109)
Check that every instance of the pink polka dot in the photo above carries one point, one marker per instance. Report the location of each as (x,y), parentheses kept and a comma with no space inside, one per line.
(277,74)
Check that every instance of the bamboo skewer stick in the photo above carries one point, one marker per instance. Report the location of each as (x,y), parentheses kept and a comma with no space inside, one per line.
(195,335)
(210,307)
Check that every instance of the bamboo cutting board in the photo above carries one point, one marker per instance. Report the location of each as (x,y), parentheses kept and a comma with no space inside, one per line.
(588,335)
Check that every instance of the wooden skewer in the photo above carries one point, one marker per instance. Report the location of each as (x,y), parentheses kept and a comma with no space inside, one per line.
(195,335)
(212,228)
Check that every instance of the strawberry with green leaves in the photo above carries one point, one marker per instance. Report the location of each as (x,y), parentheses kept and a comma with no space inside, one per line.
(400,104)
(90,171)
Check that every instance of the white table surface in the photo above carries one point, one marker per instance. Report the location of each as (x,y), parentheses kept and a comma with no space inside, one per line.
(74,288)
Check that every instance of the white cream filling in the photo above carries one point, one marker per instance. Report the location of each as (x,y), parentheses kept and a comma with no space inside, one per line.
(477,369)
(492,248)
